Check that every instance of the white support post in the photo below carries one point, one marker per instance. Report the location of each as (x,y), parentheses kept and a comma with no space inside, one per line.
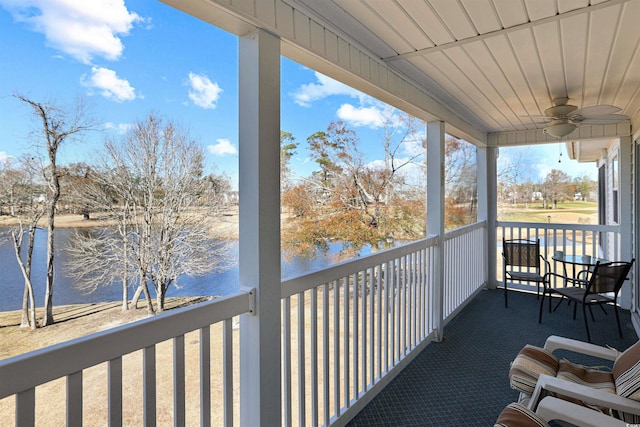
(487,207)
(625,198)
(259,246)
(435,215)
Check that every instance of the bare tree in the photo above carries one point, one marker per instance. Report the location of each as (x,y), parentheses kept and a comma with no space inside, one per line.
(556,187)
(18,194)
(58,126)
(153,184)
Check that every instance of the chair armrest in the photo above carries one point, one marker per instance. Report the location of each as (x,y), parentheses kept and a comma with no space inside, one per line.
(584,393)
(552,408)
(584,273)
(547,265)
(549,274)
(555,342)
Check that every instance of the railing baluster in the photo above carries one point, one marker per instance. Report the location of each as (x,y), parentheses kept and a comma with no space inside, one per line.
(414,312)
(392,315)
(403,307)
(286,357)
(336,348)
(74,399)
(227,363)
(325,351)
(356,334)
(387,313)
(420,295)
(363,327)
(205,376)
(302,409)
(314,356)
(363,345)
(115,392)
(372,316)
(178,381)
(345,351)
(26,408)
(379,314)
(149,385)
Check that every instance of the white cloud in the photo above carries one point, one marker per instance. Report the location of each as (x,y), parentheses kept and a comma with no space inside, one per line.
(109,84)
(413,143)
(4,157)
(120,128)
(82,29)
(372,117)
(222,148)
(326,86)
(204,93)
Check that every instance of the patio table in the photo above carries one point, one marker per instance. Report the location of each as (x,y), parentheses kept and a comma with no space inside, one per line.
(578,264)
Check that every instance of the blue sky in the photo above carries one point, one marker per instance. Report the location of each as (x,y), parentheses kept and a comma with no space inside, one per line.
(133,58)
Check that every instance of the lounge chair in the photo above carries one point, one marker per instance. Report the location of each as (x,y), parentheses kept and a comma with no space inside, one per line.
(537,372)
(554,409)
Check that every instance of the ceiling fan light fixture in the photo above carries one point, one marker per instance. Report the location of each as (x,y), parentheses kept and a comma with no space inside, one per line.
(560,128)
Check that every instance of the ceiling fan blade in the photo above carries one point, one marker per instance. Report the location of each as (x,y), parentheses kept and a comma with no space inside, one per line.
(606,119)
(595,110)
(538,119)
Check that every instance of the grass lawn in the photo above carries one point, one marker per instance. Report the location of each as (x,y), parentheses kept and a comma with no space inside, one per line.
(570,212)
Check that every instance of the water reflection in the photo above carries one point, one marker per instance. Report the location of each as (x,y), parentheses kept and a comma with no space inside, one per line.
(66,291)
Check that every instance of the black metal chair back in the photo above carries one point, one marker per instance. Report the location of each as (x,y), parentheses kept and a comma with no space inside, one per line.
(522,253)
(522,262)
(603,287)
(608,277)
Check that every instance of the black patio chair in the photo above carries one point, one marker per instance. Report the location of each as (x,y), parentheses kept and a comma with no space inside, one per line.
(602,287)
(521,261)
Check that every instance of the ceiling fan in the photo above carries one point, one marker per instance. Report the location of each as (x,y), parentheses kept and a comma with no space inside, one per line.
(564,118)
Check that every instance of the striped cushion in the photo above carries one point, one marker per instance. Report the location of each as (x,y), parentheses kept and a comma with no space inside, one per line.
(594,378)
(516,415)
(528,365)
(626,373)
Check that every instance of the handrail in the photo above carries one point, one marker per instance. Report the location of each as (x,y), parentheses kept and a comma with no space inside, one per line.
(37,367)
(308,281)
(558,226)
(464,230)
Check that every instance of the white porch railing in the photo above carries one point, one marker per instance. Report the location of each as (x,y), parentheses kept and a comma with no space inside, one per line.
(465,269)
(347,331)
(20,376)
(602,241)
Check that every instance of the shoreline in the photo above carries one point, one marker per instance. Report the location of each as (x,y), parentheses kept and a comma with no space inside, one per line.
(225,225)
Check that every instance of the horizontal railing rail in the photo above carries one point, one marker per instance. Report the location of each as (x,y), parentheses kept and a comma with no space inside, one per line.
(308,281)
(20,375)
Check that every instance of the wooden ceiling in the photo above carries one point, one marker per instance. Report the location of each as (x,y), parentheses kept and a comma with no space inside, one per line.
(499,62)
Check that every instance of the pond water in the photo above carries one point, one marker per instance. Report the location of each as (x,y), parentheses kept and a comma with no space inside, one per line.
(65,291)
